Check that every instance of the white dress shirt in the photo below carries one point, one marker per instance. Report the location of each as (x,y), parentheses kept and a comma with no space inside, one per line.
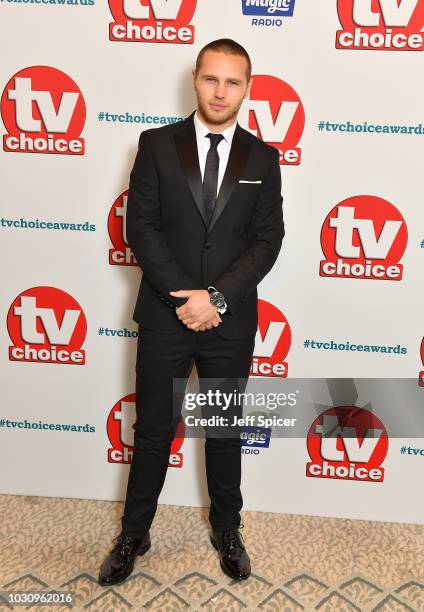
(204,143)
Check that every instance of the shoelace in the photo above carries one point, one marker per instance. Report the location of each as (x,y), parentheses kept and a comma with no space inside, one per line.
(126,544)
(230,539)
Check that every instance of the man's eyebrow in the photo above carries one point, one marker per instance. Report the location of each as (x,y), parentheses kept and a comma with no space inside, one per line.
(206,76)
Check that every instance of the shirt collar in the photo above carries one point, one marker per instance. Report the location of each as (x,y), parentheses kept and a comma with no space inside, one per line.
(202,130)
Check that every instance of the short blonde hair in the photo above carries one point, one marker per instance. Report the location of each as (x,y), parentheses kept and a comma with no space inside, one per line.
(228,46)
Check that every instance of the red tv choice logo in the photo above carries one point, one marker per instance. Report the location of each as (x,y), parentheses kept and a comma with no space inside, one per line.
(347,443)
(421,374)
(386,25)
(274,113)
(152,21)
(121,254)
(46,325)
(272,342)
(363,237)
(121,434)
(43,111)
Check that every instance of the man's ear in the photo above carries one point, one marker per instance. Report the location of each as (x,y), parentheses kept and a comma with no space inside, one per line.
(249,85)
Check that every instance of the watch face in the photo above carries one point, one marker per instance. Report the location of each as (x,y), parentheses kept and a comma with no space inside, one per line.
(217,299)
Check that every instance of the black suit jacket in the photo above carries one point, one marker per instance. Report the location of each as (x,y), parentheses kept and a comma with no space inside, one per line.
(168,235)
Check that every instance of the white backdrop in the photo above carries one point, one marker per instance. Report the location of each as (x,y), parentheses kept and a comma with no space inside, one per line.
(348,124)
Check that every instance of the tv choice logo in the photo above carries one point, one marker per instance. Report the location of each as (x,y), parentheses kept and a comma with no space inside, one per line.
(274,113)
(46,325)
(347,443)
(363,237)
(121,254)
(421,374)
(387,25)
(272,342)
(152,21)
(43,111)
(254,438)
(270,11)
(121,434)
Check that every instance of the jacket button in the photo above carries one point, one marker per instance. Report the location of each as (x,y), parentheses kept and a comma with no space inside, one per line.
(207,245)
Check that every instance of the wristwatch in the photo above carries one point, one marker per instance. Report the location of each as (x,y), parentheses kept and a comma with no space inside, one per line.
(217,299)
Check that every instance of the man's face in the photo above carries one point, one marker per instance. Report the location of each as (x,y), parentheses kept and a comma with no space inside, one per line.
(220,85)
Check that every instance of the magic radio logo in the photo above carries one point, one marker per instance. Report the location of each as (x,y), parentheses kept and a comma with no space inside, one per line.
(363,237)
(121,254)
(46,325)
(43,111)
(253,439)
(421,374)
(152,21)
(120,431)
(386,25)
(272,342)
(274,113)
(347,443)
(268,12)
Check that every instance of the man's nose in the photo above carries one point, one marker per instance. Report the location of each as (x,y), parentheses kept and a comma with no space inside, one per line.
(220,90)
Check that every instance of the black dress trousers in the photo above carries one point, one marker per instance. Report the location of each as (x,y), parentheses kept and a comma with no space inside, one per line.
(161,357)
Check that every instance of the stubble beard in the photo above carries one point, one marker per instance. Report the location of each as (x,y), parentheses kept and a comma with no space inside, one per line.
(213,119)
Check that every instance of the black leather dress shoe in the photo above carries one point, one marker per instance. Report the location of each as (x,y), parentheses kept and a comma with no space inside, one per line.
(119,564)
(233,557)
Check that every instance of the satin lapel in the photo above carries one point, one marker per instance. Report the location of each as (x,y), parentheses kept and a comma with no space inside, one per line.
(239,153)
(186,146)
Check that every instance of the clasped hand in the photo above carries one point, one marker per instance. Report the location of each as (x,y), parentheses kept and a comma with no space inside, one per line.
(197,313)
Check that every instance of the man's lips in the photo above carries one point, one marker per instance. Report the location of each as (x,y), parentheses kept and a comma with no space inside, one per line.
(217,106)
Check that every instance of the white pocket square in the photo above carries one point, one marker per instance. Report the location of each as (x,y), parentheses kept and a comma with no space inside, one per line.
(251,182)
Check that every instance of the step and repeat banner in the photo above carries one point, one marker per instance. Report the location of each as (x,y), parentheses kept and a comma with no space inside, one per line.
(337,89)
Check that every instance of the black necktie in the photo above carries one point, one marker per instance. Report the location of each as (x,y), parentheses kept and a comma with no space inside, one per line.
(210,177)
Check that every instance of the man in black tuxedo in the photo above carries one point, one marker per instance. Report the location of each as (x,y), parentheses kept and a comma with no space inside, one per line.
(205,222)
